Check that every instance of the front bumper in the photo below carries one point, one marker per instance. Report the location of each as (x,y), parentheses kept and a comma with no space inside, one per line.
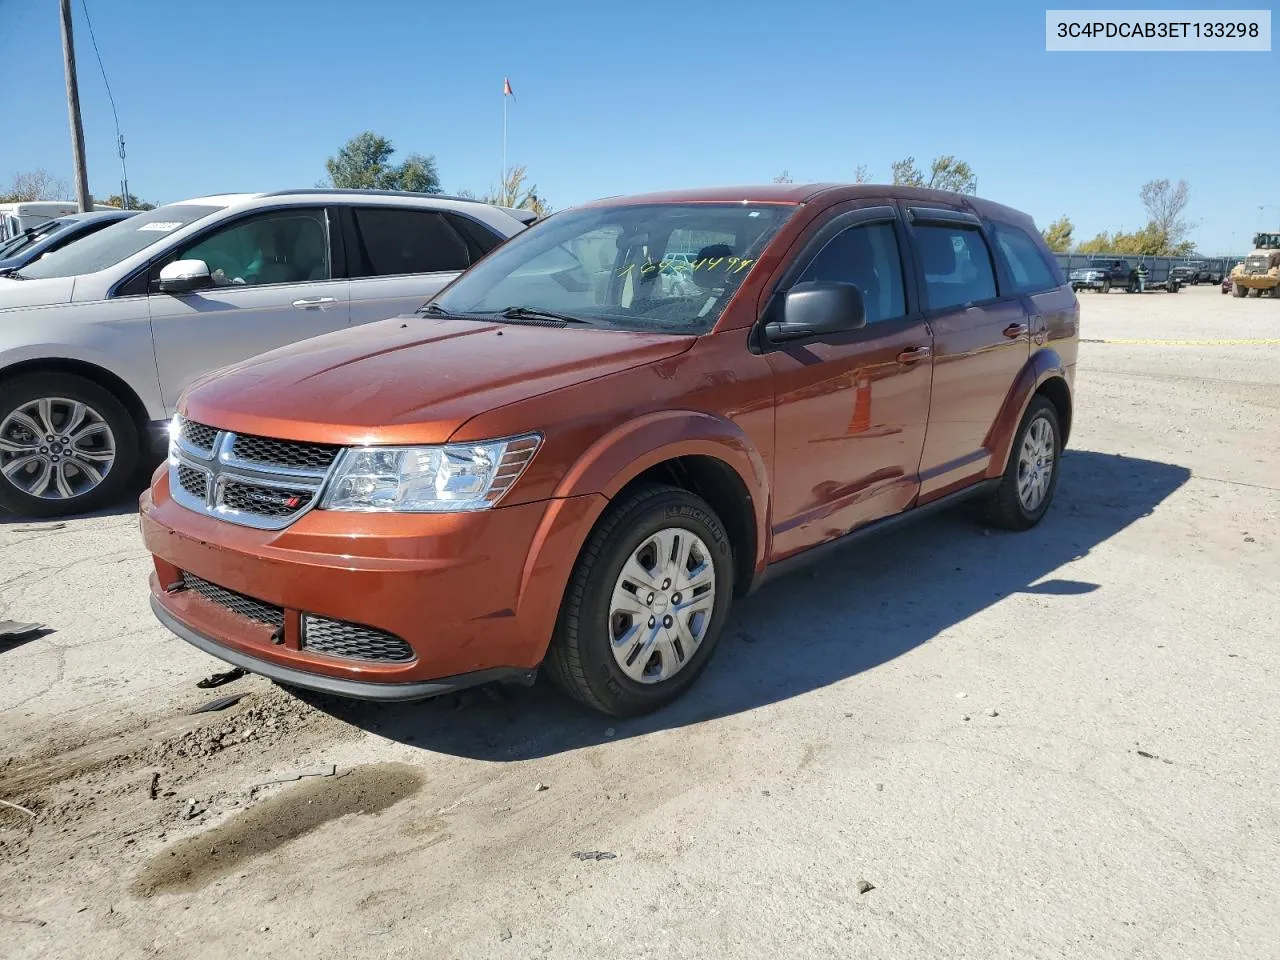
(1077,284)
(474,595)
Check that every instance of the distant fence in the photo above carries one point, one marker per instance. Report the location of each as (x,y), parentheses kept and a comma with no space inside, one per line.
(1157,267)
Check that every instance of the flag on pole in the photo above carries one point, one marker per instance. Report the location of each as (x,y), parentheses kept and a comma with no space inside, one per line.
(506,89)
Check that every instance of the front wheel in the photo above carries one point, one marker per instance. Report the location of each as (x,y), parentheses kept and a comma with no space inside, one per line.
(1106,287)
(1031,476)
(645,604)
(1239,291)
(66,445)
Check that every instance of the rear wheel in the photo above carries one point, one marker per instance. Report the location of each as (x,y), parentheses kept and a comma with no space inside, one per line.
(645,605)
(66,445)
(1031,476)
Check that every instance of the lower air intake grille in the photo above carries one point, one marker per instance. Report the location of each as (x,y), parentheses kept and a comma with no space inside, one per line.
(237,603)
(338,638)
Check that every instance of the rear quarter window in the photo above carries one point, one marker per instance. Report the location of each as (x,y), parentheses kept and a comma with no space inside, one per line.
(1026,264)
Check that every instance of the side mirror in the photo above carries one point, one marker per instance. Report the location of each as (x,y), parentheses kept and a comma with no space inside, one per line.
(817,309)
(184,276)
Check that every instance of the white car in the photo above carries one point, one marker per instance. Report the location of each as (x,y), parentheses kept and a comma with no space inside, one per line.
(99,339)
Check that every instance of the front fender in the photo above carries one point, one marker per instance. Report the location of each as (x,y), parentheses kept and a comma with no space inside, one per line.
(624,453)
(1043,365)
(601,473)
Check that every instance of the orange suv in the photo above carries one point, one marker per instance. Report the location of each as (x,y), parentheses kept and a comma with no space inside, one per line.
(583,448)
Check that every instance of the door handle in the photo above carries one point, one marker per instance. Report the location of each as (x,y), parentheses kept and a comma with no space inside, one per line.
(912,354)
(1015,330)
(308,303)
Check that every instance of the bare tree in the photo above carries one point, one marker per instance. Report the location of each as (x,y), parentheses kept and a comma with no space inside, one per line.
(861,174)
(783,177)
(34,185)
(1165,203)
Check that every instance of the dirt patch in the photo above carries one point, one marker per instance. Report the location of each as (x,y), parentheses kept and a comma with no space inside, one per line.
(191,863)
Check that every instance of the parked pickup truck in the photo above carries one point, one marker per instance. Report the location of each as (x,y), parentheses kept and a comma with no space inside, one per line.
(1107,273)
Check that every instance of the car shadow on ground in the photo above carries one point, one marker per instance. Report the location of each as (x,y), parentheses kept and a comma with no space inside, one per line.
(865,606)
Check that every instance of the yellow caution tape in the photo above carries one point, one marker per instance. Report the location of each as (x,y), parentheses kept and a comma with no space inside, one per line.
(1237,342)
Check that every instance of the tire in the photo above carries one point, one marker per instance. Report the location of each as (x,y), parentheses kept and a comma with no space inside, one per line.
(1006,507)
(109,435)
(1239,291)
(581,658)
(1106,287)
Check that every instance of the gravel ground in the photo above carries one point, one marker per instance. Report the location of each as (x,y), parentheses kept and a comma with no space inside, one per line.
(955,742)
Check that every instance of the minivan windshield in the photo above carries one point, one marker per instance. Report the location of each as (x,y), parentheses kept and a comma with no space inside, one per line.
(117,242)
(663,266)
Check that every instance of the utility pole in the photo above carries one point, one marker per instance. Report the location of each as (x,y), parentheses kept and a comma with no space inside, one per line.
(73,109)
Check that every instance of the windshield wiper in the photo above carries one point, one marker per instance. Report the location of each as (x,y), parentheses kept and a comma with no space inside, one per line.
(434,309)
(532,313)
(12,275)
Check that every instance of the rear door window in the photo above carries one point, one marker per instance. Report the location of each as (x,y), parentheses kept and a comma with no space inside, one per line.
(956,264)
(392,242)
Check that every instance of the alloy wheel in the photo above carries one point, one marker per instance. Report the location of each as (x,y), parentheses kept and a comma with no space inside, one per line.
(53,448)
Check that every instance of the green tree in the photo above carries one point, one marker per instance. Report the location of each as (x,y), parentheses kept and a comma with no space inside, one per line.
(945,173)
(514,193)
(1099,244)
(906,174)
(116,200)
(364,163)
(1058,235)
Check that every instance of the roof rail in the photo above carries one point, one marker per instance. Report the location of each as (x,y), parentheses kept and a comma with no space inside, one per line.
(347,191)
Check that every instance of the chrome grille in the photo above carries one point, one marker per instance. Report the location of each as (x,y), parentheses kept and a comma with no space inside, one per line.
(340,638)
(283,453)
(249,480)
(195,482)
(237,603)
(264,501)
(1255,265)
(199,436)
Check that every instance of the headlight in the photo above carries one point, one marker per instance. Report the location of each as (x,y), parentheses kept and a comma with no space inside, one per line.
(453,478)
(175,431)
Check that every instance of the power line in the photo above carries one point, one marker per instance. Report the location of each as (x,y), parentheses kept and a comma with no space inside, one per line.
(124,183)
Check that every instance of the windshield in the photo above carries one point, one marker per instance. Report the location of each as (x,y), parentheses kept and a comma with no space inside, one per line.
(24,240)
(670,267)
(117,242)
(1267,241)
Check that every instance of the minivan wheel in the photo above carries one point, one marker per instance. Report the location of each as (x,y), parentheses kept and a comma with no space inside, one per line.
(66,445)
(645,604)
(1031,476)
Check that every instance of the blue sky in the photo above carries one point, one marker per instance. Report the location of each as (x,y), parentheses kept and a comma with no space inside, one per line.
(624,98)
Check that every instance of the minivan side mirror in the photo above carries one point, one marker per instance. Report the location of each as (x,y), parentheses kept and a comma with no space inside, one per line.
(184,276)
(816,309)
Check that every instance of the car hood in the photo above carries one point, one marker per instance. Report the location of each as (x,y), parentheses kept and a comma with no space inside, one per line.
(410,379)
(35,293)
